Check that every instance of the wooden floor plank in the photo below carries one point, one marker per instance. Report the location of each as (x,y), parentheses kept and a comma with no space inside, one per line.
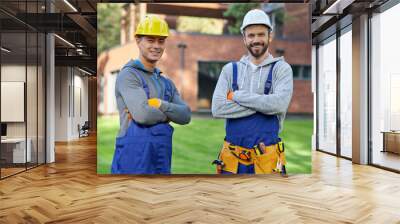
(70,191)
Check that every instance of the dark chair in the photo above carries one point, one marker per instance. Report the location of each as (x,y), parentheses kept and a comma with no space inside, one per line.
(84,130)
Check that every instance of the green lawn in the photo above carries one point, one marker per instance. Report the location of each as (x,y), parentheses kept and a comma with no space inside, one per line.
(196,145)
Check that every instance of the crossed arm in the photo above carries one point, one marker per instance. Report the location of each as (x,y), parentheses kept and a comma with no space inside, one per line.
(130,88)
(222,107)
(242,103)
(177,110)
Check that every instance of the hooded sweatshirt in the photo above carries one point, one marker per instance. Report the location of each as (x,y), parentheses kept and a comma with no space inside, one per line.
(250,97)
(130,94)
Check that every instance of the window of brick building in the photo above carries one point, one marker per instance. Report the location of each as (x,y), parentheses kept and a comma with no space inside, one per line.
(209,72)
(301,72)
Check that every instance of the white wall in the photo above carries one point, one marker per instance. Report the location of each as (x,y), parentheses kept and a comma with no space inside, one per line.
(80,94)
(70,84)
(12,73)
(17,73)
(33,126)
(61,103)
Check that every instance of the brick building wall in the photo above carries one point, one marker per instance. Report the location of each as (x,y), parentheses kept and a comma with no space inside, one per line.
(297,25)
(209,48)
(302,99)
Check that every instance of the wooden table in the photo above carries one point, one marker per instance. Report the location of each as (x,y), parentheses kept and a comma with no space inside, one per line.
(391,141)
(13,150)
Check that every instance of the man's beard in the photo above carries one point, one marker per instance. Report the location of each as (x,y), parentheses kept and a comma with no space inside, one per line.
(257,54)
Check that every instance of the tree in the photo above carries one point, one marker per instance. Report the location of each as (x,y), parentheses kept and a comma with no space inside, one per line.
(108,26)
(237,11)
(200,25)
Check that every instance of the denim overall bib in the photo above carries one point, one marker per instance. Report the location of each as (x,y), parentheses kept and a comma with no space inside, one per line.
(251,130)
(145,149)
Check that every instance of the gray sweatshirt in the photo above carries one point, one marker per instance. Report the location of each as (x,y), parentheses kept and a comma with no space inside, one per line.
(130,94)
(250,97)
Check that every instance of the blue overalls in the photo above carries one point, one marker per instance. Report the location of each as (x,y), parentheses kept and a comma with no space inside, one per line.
(251,130)
(145,149)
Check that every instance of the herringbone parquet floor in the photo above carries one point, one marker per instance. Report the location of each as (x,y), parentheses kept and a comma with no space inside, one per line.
(70,191)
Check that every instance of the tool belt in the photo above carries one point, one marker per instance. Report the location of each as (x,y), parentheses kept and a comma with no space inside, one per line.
(266,159)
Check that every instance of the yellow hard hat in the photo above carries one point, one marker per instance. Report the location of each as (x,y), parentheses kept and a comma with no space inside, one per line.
(152,26)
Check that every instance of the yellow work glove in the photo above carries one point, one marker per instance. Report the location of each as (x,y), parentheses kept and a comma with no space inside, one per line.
(230,95)
(154,102)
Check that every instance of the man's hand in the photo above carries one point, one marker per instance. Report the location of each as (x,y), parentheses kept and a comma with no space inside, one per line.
(230,95)
(129,114)
(154,102)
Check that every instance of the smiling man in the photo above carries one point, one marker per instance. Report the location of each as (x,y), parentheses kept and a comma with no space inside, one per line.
(147,101)
(253,96)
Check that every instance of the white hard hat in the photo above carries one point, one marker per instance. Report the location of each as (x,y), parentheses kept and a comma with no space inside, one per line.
(255,16)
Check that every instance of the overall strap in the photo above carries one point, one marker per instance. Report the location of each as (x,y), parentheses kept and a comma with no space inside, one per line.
(144,83)
(168,89)
(268,82)
(235,75)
